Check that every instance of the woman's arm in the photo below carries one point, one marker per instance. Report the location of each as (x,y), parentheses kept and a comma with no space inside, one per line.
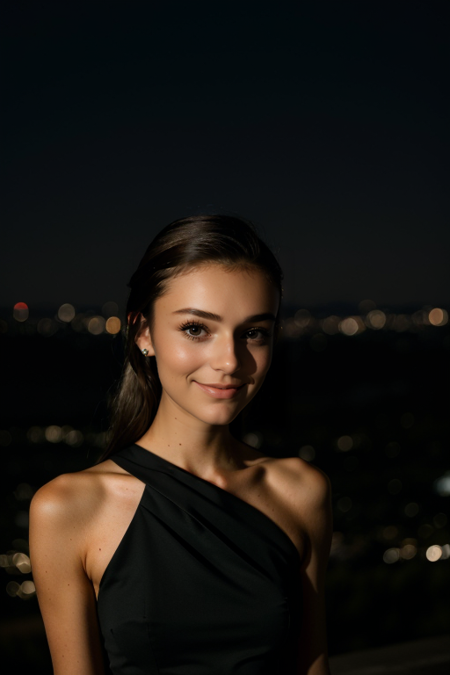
(58,526)
(316,521)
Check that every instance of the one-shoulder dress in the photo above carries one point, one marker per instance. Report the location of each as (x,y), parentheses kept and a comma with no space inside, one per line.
(202,583)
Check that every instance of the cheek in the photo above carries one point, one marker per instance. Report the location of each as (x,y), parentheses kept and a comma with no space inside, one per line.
(178,357)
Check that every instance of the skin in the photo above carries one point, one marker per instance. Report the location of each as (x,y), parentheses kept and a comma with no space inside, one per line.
(78,519)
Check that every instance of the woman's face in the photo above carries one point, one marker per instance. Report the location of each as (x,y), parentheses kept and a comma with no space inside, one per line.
(212,328)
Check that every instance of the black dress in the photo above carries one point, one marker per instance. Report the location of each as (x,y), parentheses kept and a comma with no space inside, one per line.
(202,582)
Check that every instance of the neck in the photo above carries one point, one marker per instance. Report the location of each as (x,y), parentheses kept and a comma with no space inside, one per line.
(204,449)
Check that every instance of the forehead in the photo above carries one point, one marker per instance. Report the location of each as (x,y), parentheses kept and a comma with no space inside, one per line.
(220,290)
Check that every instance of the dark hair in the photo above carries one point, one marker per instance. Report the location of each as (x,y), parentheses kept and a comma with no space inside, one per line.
(182,245)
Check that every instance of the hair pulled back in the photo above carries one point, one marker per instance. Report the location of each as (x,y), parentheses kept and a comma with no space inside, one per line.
(182,245)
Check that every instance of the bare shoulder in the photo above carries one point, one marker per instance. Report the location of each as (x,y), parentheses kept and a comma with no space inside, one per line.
(300,479)
(74,496)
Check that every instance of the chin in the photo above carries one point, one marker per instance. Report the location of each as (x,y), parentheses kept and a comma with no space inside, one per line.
(221,419)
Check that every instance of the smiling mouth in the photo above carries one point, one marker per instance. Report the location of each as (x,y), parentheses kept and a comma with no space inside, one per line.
(221,391)
(221,386)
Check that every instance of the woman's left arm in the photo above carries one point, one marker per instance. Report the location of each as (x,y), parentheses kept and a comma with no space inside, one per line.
(316,522)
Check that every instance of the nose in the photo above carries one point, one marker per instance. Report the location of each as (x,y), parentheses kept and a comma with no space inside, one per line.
(225,356)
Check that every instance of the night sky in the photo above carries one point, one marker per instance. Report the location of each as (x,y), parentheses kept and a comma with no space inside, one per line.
(326,123)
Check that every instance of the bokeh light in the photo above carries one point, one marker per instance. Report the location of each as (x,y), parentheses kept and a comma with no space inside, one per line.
(376,319)
(96,325)
(438,317)
(113,325)
(66,312)
(434,553)
(307,453)
(21,312)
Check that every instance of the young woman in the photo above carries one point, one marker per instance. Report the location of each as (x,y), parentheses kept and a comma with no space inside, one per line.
(185,551)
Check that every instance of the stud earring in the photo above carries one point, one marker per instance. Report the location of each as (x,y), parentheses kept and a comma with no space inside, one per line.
(144,351)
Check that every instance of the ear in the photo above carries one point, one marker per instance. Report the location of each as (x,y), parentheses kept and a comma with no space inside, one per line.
(144,340)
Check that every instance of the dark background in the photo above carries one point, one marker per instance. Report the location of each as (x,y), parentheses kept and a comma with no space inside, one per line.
(327,124)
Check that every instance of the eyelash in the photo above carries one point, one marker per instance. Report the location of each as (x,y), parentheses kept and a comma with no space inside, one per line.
(189,324)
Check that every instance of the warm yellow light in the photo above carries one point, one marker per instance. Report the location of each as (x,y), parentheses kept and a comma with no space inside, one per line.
(408,551)
(345,443)
(53,434)
(113,325)
(376,319)
(96,325)
(66,312)
(349,326)
(330,325)
(438,317)
(434,553)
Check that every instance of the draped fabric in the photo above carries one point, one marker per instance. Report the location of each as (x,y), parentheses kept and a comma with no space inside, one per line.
(202,583)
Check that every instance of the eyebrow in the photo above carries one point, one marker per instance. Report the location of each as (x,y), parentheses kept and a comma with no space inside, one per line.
(267,316)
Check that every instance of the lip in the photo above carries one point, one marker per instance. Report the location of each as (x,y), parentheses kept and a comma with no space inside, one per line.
(220,391)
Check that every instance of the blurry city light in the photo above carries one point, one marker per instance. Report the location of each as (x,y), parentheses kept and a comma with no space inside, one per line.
(344,443)
(74,438)
(438,317)
(390,532)
(22,562)
(302,318)
(408,551)
(53,434)
(420,318)
(445,552)
(113,325)
(376,319)
(96,325)
(110,309)
(307,453)
(36,435)
(78,323)
(21,311)
(434,553)
(401,322)
(392,555)
(330,325)
(26,590)
(442,485)
(254,439)
(66,312)
(348,326)
(47,327)
(12,587)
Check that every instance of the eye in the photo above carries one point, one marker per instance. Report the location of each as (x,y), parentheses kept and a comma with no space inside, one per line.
(258,334)
(193,330)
